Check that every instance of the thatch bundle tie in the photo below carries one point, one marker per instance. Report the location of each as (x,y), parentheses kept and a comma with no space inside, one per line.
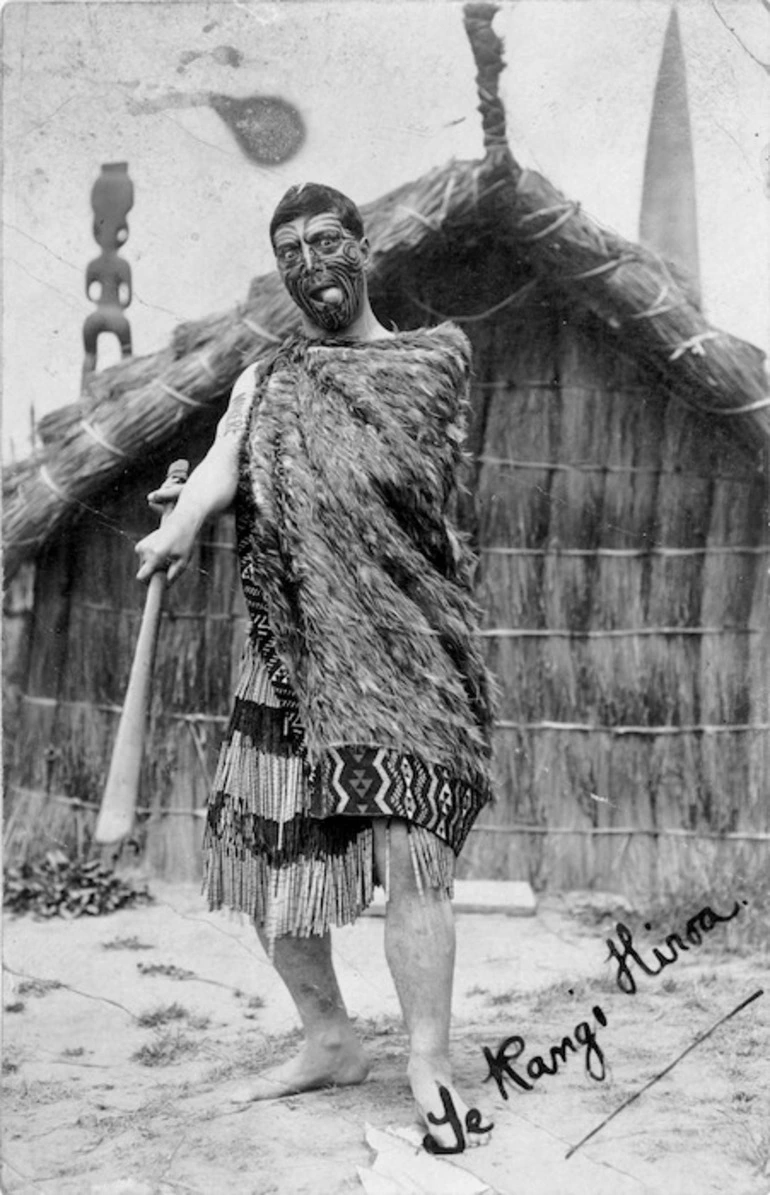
(77,803)
(608,267)
(98,438)
(204,360)
(516,297)
(54,487)
(694,345)
(105,708)
(169,614)
(590,831)
(619,731)
(626,553)
(759,405)
(177,394)
(430,222)
(659,306)
(633,470)
(610,633)
(258,330)
(567,211)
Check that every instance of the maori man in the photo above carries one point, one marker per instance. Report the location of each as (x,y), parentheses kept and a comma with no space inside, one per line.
(358,748)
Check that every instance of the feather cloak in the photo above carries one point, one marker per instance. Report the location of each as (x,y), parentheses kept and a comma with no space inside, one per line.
(357,583)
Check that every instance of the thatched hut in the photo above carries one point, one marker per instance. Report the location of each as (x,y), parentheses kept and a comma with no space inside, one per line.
(616,493)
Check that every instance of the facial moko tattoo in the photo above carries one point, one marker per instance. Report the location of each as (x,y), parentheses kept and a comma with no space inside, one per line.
(322,267)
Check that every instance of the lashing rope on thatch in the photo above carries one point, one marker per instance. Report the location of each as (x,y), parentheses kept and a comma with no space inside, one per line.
(658,305)
(77,803)
(693,345)
(633,470)
(510,828)
(172,392)
(759,405)
(258,330)
(434,223)
(566,211)
(517,297)
(171,615)
(105,708)
(555,386)
(626,553)
(608,267)
(53,486)
(604,831)
(615,633)
(99,439)
(204,360)
(619,731)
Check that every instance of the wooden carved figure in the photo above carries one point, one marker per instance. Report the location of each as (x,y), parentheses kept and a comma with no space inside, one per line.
(108,276)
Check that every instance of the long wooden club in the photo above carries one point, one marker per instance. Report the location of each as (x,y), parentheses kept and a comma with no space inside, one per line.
(118,807)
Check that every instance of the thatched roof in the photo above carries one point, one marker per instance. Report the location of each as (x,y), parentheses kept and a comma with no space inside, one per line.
(141,404)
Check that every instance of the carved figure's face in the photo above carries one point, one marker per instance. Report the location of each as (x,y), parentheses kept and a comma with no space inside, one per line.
(322,267)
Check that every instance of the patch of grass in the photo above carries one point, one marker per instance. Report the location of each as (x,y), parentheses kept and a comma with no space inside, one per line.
(36,1092)
(73,1052)
(199,1022)
(502,998)
(255,1002)
(168,970)
(384,1026)
(747,933)
(752,1139)
(255,1056)
(477,991)
(38,987)
(156,1017)
(132,943)
(580,994)
(166,1049)
(10,1063)
(15,1006)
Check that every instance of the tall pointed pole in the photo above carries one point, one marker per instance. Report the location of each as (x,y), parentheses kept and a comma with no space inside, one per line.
(668,220)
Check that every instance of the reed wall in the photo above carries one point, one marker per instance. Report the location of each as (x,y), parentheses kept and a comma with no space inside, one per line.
(84,624)
(623,574)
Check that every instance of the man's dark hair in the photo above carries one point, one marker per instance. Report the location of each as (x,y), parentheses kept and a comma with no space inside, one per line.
(310,199)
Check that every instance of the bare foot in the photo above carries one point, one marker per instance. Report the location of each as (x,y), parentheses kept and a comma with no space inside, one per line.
(452,1125)
(334,1059)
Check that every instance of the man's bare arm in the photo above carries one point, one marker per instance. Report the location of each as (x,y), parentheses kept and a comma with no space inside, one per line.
(209,490)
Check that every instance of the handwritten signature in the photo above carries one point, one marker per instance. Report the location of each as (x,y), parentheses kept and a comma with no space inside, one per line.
(473,1125)
(702,923)
(510,1050)
(500,1063)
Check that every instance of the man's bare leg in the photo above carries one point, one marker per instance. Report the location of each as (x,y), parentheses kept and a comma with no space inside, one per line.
(332,1054)
(420,951)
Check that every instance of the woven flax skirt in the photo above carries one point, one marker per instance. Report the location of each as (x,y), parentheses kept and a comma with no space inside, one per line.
(265,855)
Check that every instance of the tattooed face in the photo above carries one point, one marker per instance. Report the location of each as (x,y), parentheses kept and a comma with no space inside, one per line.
(322,267)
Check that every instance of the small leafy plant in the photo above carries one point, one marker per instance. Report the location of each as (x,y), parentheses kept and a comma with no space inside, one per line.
(58,886)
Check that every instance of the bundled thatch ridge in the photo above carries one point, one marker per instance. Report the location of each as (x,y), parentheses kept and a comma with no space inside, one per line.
(141,404)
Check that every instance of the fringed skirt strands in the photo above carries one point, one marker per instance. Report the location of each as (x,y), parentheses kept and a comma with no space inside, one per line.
(268,856)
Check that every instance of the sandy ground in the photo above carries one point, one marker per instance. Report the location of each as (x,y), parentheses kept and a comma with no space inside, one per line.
(98,1104)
